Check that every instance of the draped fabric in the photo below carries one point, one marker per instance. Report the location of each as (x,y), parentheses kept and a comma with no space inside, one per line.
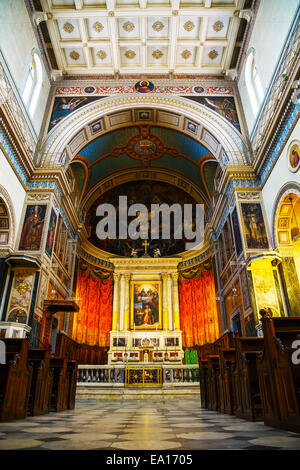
(198,310)
(92,323)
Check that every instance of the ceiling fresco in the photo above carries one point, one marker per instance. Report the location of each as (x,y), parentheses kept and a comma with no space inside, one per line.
(143,146)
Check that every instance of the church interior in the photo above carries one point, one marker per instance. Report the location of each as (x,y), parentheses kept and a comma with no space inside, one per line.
(138,342)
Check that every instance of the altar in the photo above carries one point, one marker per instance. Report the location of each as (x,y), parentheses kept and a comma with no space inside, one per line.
(145,323)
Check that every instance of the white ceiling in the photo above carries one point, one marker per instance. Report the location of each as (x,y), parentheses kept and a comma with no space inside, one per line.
(143,36)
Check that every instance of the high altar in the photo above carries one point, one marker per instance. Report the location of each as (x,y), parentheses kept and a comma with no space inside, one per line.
(145,319)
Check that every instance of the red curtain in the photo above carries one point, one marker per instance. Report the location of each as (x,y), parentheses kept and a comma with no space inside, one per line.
(198,310)
(92,323)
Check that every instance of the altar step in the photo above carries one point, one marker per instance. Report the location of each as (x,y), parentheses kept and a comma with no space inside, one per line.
(122,393)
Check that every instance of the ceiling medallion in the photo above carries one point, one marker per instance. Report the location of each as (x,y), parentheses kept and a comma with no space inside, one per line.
(218,26)
(213,54)
(128,26)
(74,55)
(98,27)
(188,26)
(158,26)
(144,86)
(157,54)
(101,54)
(68,27)
(186,54)
(130,54)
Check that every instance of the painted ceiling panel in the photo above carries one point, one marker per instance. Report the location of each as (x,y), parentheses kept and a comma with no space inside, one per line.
(109,164)
(184,144)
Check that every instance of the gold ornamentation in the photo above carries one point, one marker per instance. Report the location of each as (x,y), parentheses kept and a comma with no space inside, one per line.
(128,26)
(158,26)
(213,54)
(68,28)
(189,26)
(22,287)
(74,55)
(130,54)
(186,54)
(157,54)
(20,312)
(218,26)
(98,27)
(101,54)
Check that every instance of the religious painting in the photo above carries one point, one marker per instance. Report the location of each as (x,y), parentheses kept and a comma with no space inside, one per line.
(146,305)
(31,236)
(236,232)
(63,106)
(144,86)
(294,156)
(223,105)
(254,226)
(148,193)
(51,233)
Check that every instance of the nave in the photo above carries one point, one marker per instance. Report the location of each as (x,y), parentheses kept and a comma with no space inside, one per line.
(142,425)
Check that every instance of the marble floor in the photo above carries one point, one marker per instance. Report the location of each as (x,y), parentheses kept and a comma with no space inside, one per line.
(141,425)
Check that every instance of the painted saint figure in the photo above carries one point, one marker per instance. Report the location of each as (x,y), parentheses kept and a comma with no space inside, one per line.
(32,228)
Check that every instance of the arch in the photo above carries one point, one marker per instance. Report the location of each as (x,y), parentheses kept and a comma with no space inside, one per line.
(285,191)
(253,82)
(213,127)
(5,200)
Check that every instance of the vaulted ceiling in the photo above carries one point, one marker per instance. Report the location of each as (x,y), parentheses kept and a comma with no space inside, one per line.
(143,36)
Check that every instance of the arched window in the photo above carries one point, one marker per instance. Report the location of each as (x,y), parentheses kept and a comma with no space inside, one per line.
(253,83)
(4,224)
(33,84)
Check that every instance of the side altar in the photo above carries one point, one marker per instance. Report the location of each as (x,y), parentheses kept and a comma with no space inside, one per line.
(145,322)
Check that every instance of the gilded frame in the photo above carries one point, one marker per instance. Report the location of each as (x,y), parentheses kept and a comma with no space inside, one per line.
(143,326)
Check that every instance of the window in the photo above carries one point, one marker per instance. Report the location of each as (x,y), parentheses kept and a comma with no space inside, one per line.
(33,84)
(253,83)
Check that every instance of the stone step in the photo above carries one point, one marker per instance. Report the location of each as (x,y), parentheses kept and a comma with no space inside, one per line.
(105,393)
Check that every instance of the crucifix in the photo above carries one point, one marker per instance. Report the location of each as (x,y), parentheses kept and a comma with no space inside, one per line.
(145,244)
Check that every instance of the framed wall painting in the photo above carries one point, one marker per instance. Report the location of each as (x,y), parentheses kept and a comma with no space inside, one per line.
(254,227)
(51,233)
(236,232)
(146,301)
(33,225)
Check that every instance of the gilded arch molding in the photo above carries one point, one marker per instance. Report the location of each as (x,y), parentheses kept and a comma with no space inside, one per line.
(289,188)
(231,147)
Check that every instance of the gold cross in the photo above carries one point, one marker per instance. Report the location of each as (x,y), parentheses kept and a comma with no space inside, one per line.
(145,244)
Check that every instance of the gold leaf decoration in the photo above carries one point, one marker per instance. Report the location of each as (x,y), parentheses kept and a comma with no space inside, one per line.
(130,54)
(189,26)
(158,26)
(128,26)
(98,27)
(157,54)
(22,287)
(74,55)
(186,54)
(218,26)
(68,28)
(101,54)
(213,54)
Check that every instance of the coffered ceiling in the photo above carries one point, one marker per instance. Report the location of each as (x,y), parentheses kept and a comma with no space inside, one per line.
(143,36)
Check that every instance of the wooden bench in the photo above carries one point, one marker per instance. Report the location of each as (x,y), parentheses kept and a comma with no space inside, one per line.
(226,361)
(203,371)
(245,380)
(279,377)
(72,370)
(15,380)
(212,382)
(60,384)
(41,384)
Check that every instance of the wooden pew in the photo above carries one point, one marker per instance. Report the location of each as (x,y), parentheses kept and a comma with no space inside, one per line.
(245,380)
(15,380)
(279,377)
(60,385)
(41,384)
(203,371)
(72,369)
(226,363)
(212,382)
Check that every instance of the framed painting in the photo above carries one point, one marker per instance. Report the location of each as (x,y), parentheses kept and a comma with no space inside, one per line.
(146,305)
(34,219)
(51,233)
(254,226)
(236,232)
(294,156)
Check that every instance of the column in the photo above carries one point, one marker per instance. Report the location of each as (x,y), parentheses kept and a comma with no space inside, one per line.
(126,302)
(165,301)
(116,301)
(170,306)
(176,316)
(122,302)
